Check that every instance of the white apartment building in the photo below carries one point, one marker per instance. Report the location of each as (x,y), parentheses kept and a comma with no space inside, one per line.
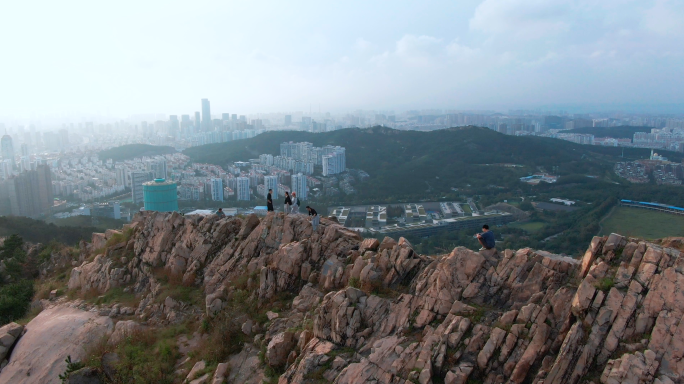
(299,185)
(243,192)
(217,189)
(271,182)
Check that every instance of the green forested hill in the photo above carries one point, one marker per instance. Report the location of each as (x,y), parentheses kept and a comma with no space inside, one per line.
(410,164)
(37,231)
(621,132)
(130,151)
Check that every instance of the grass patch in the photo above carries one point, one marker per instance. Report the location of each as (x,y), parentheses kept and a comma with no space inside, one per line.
(605,284)
(117,295)
(225,338)
(530,226)
(146,357)
(642,223)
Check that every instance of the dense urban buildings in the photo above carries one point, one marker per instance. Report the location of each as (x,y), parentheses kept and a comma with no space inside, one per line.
(80,176)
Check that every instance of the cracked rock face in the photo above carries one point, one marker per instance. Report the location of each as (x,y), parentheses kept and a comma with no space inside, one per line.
(369,311)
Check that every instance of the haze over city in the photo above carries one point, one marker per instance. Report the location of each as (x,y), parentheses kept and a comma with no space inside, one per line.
(126,58)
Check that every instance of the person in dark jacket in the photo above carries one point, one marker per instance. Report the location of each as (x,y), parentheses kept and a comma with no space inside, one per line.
(486,238)
(220,213)
(269,201)
(315,219)
(288,202)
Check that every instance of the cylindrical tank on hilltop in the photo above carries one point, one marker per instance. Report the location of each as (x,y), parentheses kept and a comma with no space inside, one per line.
(160,195)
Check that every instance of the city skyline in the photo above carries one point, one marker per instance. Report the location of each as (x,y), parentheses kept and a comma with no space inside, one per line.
(494,54)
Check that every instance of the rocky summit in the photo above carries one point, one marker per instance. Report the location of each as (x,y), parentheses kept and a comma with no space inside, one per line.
(322,306)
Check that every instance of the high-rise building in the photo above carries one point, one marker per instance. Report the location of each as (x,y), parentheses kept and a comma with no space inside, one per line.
(217,189)
(27,194)
(25,150)
(334,160)
(25,164)
(158,166)
(7,149)
(271,182)
(299,185)
(6,169)
(174,125)
(137,180)
(243,188)
(120,175)
(288,120)
(206,115)
(197,122)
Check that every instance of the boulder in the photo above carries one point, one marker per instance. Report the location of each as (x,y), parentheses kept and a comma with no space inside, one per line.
(57,332)
(9,334)
(124,329)
(86,375)
(279,348)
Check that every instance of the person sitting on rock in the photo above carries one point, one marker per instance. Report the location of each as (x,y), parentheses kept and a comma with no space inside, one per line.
(220,213)
(486,238)
(315,219)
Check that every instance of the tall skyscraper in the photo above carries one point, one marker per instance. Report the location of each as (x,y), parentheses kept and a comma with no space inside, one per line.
(25,164)
(7,149)
(198,125)
(288,120)
(137,180)
(243,188)
(334,160)
(206,115)
(174,125)
(299,185)
(217,189)
(271,182)
(28,194)
(6,169)
(25,150)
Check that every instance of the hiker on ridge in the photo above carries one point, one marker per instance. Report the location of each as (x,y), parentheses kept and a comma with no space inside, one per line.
(295,203)
(269,201)
(288,202)
(315,219)
(486,238)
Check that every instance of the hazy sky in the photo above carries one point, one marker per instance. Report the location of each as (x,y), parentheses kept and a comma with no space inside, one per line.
(129,57)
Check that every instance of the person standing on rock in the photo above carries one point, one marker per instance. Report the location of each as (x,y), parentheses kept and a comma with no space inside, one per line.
(269,201)
(288,202)
(315,219)
(295,203)
(486,238)
(220,213)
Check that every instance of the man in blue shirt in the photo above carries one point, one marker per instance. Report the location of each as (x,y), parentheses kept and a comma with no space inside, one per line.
(486,238)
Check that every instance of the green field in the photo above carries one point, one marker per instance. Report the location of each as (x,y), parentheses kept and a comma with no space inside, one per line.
(643,223)
(529,227)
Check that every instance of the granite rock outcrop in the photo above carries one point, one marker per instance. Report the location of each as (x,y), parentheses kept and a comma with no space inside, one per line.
(330,306)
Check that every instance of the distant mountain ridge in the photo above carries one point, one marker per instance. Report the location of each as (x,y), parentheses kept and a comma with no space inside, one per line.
(407,163)
(621,132)
(131,151)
